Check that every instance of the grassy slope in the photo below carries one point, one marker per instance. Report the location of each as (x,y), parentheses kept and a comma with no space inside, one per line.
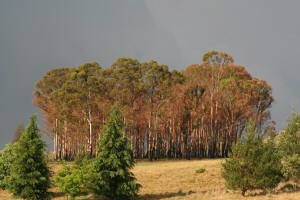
(177,180)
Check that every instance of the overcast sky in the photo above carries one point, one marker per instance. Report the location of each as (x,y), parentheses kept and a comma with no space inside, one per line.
(36,36)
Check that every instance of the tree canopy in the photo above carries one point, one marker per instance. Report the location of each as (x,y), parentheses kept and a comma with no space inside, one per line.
(197,112)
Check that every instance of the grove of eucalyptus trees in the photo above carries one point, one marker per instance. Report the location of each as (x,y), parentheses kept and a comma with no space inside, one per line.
(195,113)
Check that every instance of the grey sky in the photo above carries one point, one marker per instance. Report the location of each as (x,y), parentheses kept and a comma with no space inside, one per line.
(36,36)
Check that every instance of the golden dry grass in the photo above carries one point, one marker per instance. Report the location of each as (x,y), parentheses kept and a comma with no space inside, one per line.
(174,180)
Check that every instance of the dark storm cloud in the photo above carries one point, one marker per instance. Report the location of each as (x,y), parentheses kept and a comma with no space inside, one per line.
(261,35)
(36,36)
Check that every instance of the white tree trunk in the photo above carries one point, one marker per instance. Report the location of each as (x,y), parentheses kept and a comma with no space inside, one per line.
(90,122)
(55,141)
(90,140)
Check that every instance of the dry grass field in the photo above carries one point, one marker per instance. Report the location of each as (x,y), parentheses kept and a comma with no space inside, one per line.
(174,180)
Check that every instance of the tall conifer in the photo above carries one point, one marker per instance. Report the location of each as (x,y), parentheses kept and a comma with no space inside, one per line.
(112,166)
(30,176)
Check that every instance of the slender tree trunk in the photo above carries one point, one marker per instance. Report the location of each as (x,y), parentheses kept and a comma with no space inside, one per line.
(90,123)
(150,131)
(90,137)
(55,140)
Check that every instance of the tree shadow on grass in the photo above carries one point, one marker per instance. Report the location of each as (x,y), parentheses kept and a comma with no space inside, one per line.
(255,193)
(164,195)
(92,197)
(140,197)
(57,194)
(81,197)
(287,188)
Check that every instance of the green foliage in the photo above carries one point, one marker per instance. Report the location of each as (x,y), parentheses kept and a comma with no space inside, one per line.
(70,180)
(81,158)
(289,144)
(201,170)
(6,159)
(253,164)
(112,177)
(74,180)
(226,81)
(217,58)
(291,167)
(30,176)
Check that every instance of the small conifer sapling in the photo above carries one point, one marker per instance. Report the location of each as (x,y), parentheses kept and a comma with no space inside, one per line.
(253,164)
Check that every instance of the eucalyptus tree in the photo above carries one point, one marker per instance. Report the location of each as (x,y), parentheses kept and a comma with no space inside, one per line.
(157,82)
(80,94)
(20,129)
(128,91)
(51,107)
(198,112)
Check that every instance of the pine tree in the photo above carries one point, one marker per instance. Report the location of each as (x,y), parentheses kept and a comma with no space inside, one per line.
(289,144)
(6,159)
(29,175)
(112,166)
(253,164)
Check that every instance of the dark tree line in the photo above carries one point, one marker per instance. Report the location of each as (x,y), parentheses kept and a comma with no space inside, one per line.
(198,112)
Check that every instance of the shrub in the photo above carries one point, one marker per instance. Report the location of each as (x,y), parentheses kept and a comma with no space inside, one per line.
(29,176)
(291,167)
(70,180)
(253,163)
(201,170)
(6,159)
(113,178)
(289,144)
(81,158)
